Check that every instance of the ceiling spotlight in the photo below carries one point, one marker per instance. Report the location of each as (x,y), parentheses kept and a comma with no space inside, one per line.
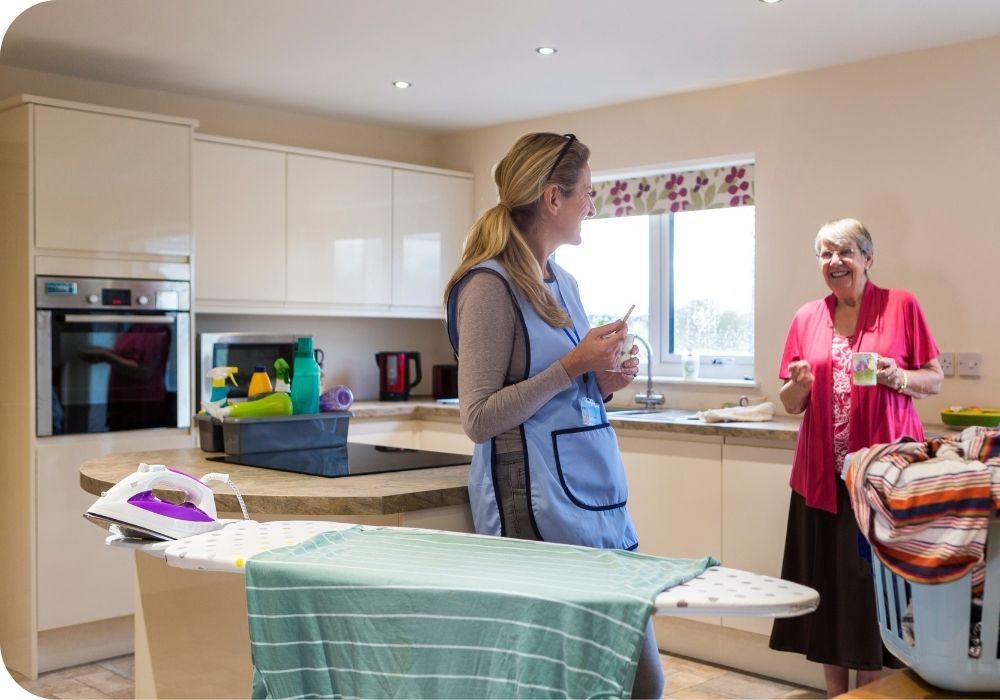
(770,2)
(546,50)
(401,84)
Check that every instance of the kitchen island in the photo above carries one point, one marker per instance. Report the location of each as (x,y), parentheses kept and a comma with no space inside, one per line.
(191,637)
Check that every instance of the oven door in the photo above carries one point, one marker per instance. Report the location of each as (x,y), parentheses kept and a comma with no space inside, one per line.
(110,371)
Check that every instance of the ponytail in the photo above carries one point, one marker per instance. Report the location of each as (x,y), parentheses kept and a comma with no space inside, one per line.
(534,162)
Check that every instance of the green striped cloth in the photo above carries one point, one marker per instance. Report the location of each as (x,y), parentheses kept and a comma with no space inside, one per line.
(402,613)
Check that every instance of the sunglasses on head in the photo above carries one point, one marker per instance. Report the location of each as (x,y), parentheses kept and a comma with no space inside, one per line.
(570,138)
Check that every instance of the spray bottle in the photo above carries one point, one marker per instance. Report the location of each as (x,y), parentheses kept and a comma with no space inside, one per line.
(281,382)
(220,391)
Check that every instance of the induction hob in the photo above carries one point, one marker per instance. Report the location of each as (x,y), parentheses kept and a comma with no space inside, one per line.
(346,460)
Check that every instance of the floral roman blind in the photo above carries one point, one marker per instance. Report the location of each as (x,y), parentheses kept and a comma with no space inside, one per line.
(711,188)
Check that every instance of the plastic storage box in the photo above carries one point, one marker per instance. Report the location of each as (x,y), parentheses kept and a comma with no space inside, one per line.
(249,435)
(209,433)
(939,648)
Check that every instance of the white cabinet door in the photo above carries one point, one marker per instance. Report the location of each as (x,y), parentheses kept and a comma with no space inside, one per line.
(674,488)
(339,231)
(106,183)
(431,214)
(391,433)
(755,497)
(239,223)
(445,436)
(80,579)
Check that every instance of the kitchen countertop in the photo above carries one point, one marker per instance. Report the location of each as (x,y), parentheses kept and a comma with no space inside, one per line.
(666,421)
(669,421)
(271,491)
(268,491)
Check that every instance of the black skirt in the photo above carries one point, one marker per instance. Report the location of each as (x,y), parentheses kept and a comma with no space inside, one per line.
(821,551)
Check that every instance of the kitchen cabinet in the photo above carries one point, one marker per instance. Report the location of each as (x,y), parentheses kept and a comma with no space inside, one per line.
(88,191)
(111,183)
(339,232)
(80,579)
(431,215)
(755,495)
(239,223)
(444,435)
(388,432)
(309,232)
(673,497)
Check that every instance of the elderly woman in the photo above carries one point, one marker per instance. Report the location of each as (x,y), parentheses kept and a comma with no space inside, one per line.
(822,540)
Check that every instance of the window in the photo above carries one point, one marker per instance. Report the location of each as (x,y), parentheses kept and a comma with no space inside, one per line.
(690,275)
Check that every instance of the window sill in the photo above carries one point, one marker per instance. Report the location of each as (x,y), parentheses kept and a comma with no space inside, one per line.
(703,382)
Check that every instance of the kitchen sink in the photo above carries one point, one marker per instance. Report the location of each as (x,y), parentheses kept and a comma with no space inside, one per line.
(657,414)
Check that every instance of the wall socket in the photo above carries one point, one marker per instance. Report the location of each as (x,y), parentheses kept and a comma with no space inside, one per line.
(947,360)
(969,364)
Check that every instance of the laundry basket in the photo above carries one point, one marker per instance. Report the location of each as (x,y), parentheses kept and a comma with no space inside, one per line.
(939,648)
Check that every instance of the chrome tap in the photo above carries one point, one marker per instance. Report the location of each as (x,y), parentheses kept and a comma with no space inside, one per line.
(650,398)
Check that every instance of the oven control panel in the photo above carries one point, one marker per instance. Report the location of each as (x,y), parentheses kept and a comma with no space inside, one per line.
(108,294)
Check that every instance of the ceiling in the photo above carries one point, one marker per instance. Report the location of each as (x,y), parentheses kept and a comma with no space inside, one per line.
(472,63)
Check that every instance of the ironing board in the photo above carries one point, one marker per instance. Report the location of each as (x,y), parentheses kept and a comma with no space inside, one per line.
(718,590)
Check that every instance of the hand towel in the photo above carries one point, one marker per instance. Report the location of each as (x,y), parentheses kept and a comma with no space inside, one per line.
(741,414)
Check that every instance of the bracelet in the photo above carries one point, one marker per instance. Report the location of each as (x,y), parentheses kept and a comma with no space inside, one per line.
(906,381)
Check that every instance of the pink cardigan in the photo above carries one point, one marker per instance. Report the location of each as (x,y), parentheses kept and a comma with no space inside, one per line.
(891,323)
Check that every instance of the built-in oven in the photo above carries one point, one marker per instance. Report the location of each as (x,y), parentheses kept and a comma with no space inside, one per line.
(112,354)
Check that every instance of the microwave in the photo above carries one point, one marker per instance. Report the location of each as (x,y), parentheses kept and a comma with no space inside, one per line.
(244,351)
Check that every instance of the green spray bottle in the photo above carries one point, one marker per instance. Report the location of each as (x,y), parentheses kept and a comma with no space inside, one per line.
(281,369)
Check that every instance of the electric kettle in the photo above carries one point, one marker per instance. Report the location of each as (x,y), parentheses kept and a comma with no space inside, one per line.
(394,381)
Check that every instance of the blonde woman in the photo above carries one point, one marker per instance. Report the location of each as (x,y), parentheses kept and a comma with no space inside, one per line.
(533,376)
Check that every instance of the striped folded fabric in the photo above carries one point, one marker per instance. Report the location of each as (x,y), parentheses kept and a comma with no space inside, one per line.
(373,612)
(926,507)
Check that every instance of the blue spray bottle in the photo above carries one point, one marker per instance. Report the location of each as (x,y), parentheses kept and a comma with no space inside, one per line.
(220,391)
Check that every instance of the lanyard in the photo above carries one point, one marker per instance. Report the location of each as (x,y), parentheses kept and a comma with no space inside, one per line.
(571,332)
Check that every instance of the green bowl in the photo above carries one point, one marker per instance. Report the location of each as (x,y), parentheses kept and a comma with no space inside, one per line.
(988,417)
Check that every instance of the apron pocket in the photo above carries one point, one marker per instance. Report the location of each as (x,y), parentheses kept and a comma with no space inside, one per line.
(590,467)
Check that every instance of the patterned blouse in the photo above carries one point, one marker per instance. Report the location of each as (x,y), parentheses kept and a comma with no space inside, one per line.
(841,354)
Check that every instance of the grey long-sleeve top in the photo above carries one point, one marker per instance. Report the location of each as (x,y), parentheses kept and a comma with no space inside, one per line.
(494,395)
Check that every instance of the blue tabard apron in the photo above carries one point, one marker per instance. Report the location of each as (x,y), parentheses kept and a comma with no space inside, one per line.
(574,471)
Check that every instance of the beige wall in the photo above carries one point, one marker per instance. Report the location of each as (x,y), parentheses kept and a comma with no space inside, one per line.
(235,119)
(908,144)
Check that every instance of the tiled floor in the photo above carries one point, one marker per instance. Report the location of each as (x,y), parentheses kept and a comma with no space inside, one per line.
(684,679)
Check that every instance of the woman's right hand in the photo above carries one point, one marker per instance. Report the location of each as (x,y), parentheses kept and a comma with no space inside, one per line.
(800,374)
(795,392)
(598,350)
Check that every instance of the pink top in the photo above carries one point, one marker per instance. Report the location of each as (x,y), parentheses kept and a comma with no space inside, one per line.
(890,323)
(841,355)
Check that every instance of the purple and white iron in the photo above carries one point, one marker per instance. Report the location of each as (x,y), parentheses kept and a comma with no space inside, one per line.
(131,507)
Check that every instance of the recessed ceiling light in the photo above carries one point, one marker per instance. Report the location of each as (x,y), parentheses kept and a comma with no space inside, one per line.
(401,84)
(546,50)
(770,2)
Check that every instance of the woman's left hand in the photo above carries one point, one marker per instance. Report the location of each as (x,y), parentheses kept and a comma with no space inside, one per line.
(888,373)
(611,381)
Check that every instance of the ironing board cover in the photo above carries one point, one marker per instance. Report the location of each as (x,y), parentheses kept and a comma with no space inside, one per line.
(718,591)
(395,612)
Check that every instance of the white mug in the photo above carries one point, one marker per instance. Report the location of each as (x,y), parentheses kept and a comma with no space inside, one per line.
(626,351)
(864,368)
